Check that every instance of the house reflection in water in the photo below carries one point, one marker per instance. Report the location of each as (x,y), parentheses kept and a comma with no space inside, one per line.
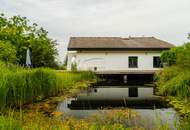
(130,96)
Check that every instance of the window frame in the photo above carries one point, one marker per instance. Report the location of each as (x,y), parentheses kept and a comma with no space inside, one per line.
(132,65)
(160,64)
(133,92)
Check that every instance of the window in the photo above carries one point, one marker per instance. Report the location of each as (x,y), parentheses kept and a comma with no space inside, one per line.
(157,62)
(133,62)
(133,92)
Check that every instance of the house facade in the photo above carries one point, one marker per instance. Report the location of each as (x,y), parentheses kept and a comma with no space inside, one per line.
(116,55)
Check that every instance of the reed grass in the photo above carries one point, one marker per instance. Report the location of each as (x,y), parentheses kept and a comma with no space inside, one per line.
(19,85)
(9,123)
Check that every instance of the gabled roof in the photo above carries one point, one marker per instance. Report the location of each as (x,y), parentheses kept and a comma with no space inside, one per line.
(117,43)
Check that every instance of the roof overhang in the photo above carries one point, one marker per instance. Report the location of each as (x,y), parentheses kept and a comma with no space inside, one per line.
(117,49)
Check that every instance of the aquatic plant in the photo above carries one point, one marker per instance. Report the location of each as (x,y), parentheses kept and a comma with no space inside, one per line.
(32,120)
(180,104)
(19,86)
(124,116)
(116,119)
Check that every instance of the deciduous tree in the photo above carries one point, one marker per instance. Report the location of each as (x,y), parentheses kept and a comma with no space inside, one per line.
(7,52)
(20,34)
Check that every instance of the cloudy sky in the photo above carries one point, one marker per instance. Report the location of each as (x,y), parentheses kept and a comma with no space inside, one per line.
(168,20)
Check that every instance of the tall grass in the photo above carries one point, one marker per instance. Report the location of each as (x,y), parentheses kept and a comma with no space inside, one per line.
(19,86)
(9,123)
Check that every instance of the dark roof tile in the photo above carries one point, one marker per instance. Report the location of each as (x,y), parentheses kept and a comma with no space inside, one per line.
(80,43)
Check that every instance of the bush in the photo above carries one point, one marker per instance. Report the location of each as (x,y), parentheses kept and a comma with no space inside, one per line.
(174,81)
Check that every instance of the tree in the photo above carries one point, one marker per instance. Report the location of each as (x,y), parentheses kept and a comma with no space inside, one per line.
(169,57)
(183,58)
(7,52)
(17,31)
(179,56)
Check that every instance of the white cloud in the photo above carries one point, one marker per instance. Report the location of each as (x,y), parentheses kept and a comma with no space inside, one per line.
(166,19)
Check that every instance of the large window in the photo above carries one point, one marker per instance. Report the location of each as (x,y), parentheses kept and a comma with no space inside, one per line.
(133,61)
(133,92)
(157,62)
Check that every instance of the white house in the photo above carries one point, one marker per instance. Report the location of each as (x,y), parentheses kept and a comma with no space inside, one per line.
(116,55)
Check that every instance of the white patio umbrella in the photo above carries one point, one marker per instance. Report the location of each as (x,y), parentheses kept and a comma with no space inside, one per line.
(28,59)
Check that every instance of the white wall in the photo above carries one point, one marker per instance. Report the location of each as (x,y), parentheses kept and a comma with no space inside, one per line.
(111,61)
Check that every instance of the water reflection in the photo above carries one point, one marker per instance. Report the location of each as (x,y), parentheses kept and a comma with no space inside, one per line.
(117,93)
(103,98)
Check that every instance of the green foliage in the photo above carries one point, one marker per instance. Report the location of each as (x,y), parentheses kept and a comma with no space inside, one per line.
(37,121)
(19,86)
(168,57)
(7,52)
(180,104)
(178,55)
(183,56)
(21,35)
(115,119)
(175,80)
(9,123)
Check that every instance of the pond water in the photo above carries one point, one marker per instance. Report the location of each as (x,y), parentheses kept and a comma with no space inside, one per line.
(98,99)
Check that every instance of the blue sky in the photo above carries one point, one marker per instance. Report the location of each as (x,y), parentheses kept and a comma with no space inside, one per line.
(165,19)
